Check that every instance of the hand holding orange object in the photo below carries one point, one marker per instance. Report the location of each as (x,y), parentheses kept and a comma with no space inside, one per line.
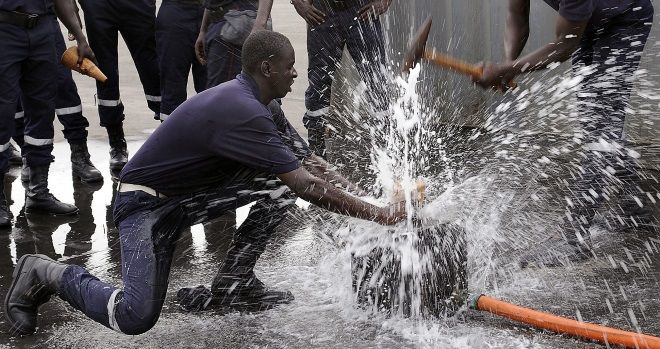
(71,60)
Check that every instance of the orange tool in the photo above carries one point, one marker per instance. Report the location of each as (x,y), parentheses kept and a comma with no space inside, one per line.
(563,325)
(70,60)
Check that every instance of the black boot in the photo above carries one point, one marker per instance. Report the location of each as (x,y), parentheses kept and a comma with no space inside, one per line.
(246,291)
(5,216)
(81,165)
(38,197)
(35,279)
(118,151)
(14,155)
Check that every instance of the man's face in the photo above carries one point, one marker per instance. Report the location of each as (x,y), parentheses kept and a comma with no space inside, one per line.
(283,72)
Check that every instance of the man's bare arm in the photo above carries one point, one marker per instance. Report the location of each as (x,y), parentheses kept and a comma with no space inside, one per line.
(327,196)
(263,13)
(320,168)
(516,31)
(66,12)
(568,38)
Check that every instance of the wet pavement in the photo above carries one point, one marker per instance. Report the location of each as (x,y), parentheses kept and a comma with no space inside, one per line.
(308,257)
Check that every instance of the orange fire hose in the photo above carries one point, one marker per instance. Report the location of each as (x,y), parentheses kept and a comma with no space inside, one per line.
(563,325)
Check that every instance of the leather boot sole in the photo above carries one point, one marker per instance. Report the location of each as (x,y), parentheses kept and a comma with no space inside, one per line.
(45,212)
(93,180)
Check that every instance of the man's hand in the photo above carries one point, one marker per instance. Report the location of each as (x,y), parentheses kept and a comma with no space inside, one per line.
(373,9)
(308,12)
(84,51)
(495,76)
(200,50)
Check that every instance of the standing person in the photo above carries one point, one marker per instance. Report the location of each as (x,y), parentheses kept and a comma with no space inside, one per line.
(609,36)
(331,26)
(225,25)
(177,28)
(68,109)
(27,64)
(223,148)
(135,20)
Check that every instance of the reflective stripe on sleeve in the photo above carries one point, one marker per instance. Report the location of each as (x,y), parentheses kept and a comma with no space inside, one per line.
(112,321)
(19,115)
(4,147)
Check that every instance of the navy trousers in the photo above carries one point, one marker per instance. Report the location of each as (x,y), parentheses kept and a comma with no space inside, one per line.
(223,58)
(27,64)
(325,44)
(613,51)
(149,228)
(68,106)
(177,27)
(136,21)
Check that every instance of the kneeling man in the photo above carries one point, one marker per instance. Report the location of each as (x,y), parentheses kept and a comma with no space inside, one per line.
(224,148)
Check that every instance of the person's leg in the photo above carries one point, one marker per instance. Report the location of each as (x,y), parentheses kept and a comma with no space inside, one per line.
(324,49)
(68,109)
(148,229)
(176,32)
(14,49)
(235,282)
(101,22)
(138,27)
(365,43)
(38,87)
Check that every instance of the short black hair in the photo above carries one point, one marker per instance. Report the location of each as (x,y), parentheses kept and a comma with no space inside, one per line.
(262,46)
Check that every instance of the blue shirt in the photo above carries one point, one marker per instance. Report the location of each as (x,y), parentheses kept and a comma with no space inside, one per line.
(597,12)
(216,138)
(37,7)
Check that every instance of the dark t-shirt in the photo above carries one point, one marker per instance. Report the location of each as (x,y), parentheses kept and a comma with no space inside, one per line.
(594,11)
(37,7)
(216,138)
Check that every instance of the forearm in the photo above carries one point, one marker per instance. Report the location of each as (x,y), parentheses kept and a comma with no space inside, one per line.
(555,52)
(335,200)
(263,13)
(205,22)
(516,31)
(66,12)
(322,169)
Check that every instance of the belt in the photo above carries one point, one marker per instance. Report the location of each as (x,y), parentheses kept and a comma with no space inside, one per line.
(24,20)
(126,187)
(186,2)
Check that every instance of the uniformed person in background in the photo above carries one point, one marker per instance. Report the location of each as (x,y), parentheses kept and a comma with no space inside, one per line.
(225,26)
(27,63)
(177,28)
(68,109)
(608,36)
(331,26)
(135,20)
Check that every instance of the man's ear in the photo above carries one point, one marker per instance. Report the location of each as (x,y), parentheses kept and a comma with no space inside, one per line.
(266,68)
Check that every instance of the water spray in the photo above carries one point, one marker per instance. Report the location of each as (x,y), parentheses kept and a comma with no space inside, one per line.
(562,325)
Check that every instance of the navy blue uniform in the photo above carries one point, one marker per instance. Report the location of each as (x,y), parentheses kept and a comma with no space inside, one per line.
(177,27)
(612,44)
(27,63)
(325,44)
(223,58)
(239,145)
(135,20)
(68,106)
